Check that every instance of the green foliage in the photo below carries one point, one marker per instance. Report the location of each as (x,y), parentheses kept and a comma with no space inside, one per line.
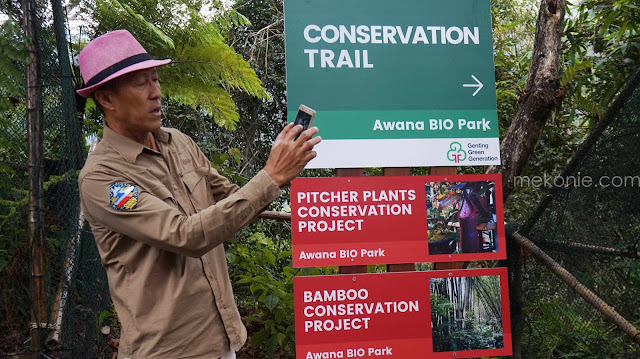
(13,183)
(571,331)
(13,210)
(602,49)
(232,18)
(479,336)
(572,71)
(11,65)
(260,269)
(440,304)
(513,30)
(105,317)
(224,163)
(264,267)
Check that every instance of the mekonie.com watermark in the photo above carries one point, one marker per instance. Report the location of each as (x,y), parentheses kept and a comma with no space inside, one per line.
(577,181)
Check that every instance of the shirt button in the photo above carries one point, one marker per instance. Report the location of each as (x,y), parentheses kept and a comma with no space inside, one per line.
(175,186)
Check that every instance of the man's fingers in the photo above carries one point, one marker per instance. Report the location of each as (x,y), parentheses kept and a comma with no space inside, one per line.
(291,134)
(310,155)
(314,141)
(308,133)
(289,157)
(310,144)
(311,131)
(282,135)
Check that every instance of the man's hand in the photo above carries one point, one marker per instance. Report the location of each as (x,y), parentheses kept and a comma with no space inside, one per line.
(288,157)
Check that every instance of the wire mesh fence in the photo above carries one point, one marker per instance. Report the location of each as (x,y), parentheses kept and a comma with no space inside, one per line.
(75,289)
(592,228)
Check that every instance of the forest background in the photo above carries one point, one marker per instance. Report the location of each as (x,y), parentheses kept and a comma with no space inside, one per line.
(226,89)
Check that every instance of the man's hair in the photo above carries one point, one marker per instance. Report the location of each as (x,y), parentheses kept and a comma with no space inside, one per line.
(108,86)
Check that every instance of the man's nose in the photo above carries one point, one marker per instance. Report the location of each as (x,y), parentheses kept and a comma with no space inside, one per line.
(155,90)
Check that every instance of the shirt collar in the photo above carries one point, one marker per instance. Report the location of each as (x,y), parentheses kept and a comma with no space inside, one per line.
(128,148)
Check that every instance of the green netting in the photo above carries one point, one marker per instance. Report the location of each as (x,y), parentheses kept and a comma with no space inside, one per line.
(76,290)
(596,212)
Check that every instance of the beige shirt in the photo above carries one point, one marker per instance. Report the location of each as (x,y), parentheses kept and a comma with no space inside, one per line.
(159,220)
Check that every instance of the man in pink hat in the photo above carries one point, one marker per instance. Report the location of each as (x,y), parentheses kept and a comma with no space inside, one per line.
(159,212)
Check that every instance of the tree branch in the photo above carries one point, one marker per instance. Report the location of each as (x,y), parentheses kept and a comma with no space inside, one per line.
(574,248)
(281,216)
(591,298)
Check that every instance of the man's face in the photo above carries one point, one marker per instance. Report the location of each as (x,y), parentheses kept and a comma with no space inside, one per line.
(135,103)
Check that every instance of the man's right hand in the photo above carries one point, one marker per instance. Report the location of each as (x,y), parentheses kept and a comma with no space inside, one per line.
(288,157)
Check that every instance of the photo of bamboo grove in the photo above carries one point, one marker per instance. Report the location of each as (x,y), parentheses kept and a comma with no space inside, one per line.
(461,217)
(466,313)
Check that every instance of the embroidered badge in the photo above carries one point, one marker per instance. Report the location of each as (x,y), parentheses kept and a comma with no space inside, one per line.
(123,196)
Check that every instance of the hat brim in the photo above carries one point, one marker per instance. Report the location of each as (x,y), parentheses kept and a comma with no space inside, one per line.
(87,91)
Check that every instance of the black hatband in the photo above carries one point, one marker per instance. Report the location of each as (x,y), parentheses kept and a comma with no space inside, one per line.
(117,67)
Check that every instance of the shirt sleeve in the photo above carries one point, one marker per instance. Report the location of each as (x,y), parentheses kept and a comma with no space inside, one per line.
(220,185)
(157,223)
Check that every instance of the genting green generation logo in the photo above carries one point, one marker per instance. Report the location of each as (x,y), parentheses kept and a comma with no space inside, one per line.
(456,153)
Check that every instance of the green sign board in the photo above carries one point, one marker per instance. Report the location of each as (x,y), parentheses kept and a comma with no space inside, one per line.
(394,83)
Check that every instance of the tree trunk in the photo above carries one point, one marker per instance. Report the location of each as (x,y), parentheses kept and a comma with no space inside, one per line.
(541,95)
(36,190)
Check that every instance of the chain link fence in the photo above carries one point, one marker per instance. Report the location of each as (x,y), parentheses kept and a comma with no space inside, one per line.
(592,229)
(75,286)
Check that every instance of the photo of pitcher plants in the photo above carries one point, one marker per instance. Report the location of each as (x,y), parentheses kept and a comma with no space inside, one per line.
(461,217)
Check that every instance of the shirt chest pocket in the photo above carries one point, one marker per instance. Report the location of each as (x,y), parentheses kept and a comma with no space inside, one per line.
(166,196)
(198,187)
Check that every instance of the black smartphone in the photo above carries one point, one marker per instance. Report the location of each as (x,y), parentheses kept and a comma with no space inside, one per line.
(304,117)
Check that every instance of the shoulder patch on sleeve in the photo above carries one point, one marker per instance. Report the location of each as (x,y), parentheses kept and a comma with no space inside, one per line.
(123,196)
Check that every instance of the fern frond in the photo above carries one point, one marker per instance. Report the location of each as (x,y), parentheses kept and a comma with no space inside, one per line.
(238,19)
(232,18)
(590,107)
(209,97)
(149,27)
(14,55)
(572,71)
(198,32)
(219,63)
(11,77)
(236,72)
(113,15)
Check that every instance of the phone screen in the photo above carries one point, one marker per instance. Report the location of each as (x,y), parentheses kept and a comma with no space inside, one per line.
(302,118)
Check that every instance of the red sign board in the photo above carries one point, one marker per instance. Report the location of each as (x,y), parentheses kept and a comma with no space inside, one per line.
(342,221)
(390,315)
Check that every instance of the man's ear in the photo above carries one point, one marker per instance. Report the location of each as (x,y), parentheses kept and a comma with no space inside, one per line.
(104,96)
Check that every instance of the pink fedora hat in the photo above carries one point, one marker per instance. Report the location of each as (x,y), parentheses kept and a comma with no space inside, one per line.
(112,55)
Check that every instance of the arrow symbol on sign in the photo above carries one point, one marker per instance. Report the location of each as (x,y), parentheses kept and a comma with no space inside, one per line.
(479,85)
